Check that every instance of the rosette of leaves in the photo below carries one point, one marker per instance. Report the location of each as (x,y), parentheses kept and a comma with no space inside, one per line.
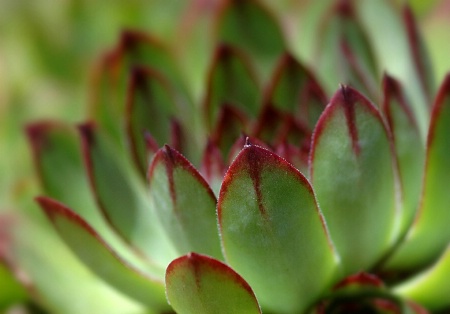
(302,200)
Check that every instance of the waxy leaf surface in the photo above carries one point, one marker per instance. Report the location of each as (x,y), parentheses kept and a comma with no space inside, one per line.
(91,248)
(352,174)
(197,284)
(273,233)
(122,198)
(430,234)
(184,203)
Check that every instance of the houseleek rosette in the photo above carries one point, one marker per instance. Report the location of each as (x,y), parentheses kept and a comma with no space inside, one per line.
(301,203)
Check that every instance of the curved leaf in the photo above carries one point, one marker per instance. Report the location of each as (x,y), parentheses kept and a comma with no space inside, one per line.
(429,235)
(408,149)
(122,199)
(351,168)
(430,288)
(198,284)
(273,233)
(184,203)
(91,248)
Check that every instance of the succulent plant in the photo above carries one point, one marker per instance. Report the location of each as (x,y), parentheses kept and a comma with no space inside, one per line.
(302,202)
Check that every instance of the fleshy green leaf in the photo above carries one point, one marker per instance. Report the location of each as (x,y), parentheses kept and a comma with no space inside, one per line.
(184,202)
(273,233)
(231,80)
(353,175)
(262,38)
(122,199)
(430,288)
(430,234)
(150,106)
(344,52)
(198,284)
(91,248)
(293,89)
(408,149)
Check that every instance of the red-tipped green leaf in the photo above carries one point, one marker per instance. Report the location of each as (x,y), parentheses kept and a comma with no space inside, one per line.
(430,234)
(293,89)
(184,203)
(122,198)
(230,80)
(91,248)
(273,233)
(150,106)
(352,173)
(198,284)
(408,149)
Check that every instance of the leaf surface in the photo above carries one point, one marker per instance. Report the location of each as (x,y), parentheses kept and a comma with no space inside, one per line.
(184,202)
(273,233)
(91,248)
(351,169)
(198,284)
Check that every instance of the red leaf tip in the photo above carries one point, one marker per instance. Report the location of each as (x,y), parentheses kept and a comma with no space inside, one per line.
(364,279)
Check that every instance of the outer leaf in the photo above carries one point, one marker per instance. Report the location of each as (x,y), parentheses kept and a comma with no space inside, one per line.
(230,80)
(91,248)
(273,233)
(352,173)
(410,154)
(262,38)
(430,234)
(121,199)
(184,203)
(430,288)
(198,284)
(150,106)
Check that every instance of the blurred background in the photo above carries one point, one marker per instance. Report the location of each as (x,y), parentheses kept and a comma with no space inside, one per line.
(48,48)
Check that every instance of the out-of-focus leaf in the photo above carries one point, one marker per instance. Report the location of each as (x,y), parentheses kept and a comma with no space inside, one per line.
(198,284)
(389,39)
(11,292)
(270,223)
(230,81)
(247,24)
(231,123)
(91,248)
(410,154)
(150,106)
(353,176)
(41,268)
(184,203)
(122,199)
(429,235)
(344,53)
(213,166)
(430,288)
(293,89)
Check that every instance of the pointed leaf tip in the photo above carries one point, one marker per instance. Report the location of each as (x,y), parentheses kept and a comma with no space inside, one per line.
(189,221)
(270,223)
